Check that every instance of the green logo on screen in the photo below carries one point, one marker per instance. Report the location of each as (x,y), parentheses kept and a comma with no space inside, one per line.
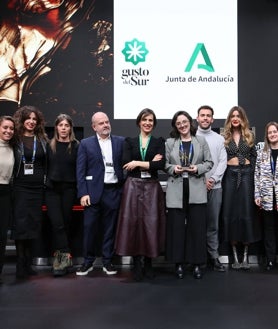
(135,51)
(207,66)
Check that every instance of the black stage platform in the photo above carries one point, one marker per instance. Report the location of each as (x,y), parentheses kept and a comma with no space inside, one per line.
(230,300)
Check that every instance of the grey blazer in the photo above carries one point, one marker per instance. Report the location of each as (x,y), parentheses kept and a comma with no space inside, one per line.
(197,182)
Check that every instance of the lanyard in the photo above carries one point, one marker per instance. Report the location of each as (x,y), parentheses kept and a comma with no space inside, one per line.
(185,160)
(143,151)
(273,166)
(34,151)
(273,169)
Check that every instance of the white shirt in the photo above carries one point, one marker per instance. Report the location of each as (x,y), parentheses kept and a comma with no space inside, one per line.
(107,155)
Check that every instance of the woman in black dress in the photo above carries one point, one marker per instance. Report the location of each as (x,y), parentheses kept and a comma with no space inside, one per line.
(28,188)
(141,224)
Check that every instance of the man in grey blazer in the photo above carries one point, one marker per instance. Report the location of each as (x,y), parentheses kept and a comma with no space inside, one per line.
(99,184)
(213,182)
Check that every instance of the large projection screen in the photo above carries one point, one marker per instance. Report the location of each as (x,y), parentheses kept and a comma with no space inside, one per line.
(175,55)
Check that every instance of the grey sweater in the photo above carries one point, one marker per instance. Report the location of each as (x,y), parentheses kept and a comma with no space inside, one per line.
(218,153)
(6,162)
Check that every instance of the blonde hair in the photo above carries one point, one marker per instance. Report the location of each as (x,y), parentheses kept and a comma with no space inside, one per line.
(266,141)
(246,133)
(53,142)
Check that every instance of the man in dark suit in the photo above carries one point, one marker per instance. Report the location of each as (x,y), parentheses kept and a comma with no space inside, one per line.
(99,182)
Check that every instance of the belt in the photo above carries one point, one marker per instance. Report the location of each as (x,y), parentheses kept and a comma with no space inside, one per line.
(113,185)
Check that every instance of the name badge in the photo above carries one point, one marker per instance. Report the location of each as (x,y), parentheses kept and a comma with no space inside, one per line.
(28,169)
(145,174)
(109,168)
(185,174)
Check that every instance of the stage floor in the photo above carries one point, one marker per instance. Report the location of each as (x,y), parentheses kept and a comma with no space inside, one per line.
(234,299)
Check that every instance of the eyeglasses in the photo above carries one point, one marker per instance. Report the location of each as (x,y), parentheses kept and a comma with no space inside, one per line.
(182,123)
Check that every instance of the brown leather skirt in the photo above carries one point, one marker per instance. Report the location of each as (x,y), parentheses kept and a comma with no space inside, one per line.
(141,222)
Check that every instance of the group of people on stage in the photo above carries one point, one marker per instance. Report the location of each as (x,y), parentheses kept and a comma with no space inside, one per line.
(209,177)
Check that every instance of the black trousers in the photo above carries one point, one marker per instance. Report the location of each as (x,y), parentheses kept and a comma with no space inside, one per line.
(5,208)
(100,222)
(59,201)
(270,219)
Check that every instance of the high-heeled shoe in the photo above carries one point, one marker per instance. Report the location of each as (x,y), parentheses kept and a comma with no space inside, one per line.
(197,273)
(149,270)
(245,264)
(179,271)
(269,266)
(137,270)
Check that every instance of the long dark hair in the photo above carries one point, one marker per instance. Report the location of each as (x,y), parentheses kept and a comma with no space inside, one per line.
(246,133)
(61,117)
(22,114)
(174,133)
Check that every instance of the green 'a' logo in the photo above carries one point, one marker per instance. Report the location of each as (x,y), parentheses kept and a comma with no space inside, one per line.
(207,66)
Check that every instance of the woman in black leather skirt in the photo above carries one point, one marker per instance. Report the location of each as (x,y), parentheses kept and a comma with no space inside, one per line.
(141,223)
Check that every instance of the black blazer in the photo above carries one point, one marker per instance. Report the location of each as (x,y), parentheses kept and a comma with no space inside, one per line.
(132,152)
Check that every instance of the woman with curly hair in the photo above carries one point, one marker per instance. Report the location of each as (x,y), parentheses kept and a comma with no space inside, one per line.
(238,213)
(28,187)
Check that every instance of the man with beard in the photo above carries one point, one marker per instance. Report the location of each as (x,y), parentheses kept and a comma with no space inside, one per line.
(213,181)
(99,183)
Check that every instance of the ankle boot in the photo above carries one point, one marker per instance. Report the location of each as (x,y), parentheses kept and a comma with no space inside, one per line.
(179,271)
(197,273)
(28,266)
(149,271)
(138,271)
(20,262)
(56,261)
(63,264)
(29,258)
(245,265)
(20,268)
(236,265)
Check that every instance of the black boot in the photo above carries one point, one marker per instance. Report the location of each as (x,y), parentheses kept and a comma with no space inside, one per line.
(1,278)
(20,263)
(29,258)
(21,269)
(138,271)
(149,271)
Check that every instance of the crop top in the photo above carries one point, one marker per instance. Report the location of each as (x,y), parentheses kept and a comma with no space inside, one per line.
(241,151)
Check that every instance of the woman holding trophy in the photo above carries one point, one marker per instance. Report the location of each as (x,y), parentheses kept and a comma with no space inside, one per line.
(187,160)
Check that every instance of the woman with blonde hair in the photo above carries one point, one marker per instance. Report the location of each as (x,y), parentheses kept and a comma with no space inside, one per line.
(61,190)
(238,211)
